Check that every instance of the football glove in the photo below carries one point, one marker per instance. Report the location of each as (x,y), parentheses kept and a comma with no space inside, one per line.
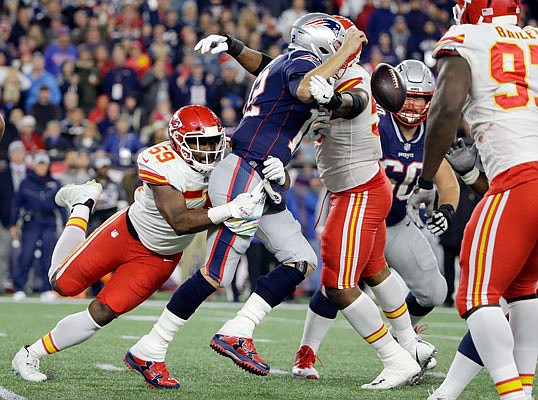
(423,192)
(323,92)
(274,170)
(440,220)
(462,159)
(241,207)
(214,43)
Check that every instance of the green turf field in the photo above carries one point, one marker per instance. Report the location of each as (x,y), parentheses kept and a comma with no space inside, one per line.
(94,370)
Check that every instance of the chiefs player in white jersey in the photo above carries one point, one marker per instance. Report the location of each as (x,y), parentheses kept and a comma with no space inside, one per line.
(142,244)
(348,160)
(488,69)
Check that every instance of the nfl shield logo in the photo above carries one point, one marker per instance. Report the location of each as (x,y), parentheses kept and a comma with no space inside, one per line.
(407,146)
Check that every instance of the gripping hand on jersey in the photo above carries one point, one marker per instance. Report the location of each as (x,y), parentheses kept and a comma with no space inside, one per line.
(423,192)
(274,170)
(215,43)
(241,207)
(440,220)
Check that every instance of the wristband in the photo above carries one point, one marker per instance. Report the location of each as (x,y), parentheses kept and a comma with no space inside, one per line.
(235,46)
(335,102)
(425,184)
(219,214)
(471,177)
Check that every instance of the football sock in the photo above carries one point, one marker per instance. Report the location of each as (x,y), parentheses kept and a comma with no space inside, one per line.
(461,372)
(73,234)
(416,310)
(364,317)
(72,330)
(247,318)
(188,297)
(278,284)
(390,296)
(153,346)
(524,324)
(494,342)
(320,317)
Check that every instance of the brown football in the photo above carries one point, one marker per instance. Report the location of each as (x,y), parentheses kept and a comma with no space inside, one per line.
(388,87)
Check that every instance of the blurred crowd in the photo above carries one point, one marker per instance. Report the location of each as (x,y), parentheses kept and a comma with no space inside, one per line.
(90,83)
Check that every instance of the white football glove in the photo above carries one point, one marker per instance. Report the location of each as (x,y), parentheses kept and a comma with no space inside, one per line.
(418,196)
(440,220)
(321,90)
(215,43)
(242,207)
(274,170)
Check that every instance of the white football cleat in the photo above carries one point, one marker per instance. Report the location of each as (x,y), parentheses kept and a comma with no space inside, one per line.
(27,366)
(70,195)
(303,367)
(398,371)
(438,394)
(48,297)
(19,295)
(423,352)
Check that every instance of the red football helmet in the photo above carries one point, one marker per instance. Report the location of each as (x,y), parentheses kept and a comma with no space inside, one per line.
(347,23)
(488,11)
(197,135)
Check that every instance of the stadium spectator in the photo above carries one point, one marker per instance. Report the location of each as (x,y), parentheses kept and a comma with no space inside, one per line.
(138,60)
(89,140)
(400,33)
(380,20)
(386,49)
(120,80)
(12,173)
(121,143)
(13,84)
(27,134)
(60,51)
(55,143)
(38,227)
(154,87)
(113,111)
(289,16)
(73,124)
(228,91)
(39,77)
(68,79)
(73,174)
(88,78)
(44,111)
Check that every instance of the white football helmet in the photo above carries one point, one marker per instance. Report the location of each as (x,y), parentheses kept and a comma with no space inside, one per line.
(318,33)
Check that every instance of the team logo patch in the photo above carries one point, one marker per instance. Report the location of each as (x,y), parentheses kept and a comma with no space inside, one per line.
(329,23)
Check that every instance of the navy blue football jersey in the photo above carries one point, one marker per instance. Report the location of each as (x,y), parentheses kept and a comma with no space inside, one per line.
(274,119)
(402,160)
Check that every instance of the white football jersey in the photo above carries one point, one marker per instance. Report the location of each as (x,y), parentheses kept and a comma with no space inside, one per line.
(348,155)
(502,108)
(161,165)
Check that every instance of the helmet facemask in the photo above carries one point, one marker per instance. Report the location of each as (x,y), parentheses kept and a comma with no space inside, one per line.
(414,111)
(193,148)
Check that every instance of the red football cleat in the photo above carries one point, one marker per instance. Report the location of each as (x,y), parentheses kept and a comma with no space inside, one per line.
(303,367)
(241,351)
(154,373)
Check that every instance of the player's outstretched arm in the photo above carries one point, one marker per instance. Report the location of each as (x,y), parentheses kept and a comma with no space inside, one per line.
(449,195)
(447,103)
(171,204)
(463,159)
(253,61)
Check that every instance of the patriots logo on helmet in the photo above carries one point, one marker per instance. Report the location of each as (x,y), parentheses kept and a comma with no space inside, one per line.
(329,23)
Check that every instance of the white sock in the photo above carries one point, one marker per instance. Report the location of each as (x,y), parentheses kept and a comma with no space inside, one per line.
(462,371)
(494,342)
(363,315)
(524,324)
(391,297)
(72,330)
(153,346)
(247,318)
(73,234)
(315,329)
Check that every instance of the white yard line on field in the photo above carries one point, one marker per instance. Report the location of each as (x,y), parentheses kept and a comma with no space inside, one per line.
(109,367)
(9,395)
(437,374)
(278,371)
(128,337)
(2,334)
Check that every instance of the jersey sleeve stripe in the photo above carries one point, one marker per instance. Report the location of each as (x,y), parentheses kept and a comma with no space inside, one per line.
(458,39)
(193,194)
(152,177)
(446,52)
(348,84)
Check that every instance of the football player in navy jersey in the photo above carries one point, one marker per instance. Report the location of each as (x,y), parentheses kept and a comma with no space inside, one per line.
(402,139)
(277,114)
